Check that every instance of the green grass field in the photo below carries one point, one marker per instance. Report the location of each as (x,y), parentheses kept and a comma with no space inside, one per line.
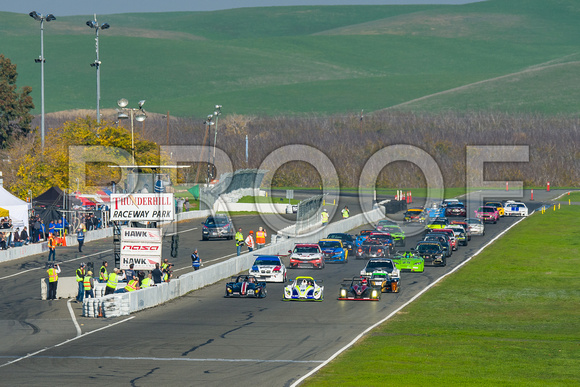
(504,55)
(510,317)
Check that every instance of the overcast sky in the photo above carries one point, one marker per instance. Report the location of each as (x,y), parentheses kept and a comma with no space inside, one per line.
(106,7)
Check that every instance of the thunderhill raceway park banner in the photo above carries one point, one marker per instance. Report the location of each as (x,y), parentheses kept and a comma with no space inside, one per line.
(141,247)
(142,207)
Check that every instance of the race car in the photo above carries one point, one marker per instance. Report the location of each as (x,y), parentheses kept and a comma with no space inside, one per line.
(396,232)
(431,252)
(381,265)
(460,234)
(269,268)
(476,226)
(358,289)
(442,239)
(361,237)
(435,211)
(447,202)
(466,227)
(303,289)
(306,255)
(497,205)
(513,208)
(347,239)
(488,214)
(381,279)
(453,242)
(409,261)
(436,223)
(384,237)
(245,286)
(415,215)
(456,209)
(333,250)
(371,248)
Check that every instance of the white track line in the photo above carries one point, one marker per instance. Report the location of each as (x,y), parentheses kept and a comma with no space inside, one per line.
(72,314)
(357,338)
(211,260)
(181,232)
(65,342)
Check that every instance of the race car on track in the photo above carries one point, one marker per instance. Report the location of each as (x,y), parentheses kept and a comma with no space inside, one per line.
(512,208)
(409,261)
(436,223)
(460,234)
(333,250)
(358,289)
(218,226)
(381,265)
(347,239)
(466,227)
(245,286)
(303,289)
(384,237)
(371,248)
(380,279)
(361,237)
(431,252)
(435,211)
(497,205)
(442,239)
(453,242)
(396,233)
(306,255)
(476,226)
(269,268)
(488,214)
(456,209)
(415,215)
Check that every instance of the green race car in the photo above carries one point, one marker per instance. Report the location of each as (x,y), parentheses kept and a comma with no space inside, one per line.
(408,261)
(396,232)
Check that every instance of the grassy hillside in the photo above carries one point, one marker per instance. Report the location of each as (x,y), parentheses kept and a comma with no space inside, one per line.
(297,60)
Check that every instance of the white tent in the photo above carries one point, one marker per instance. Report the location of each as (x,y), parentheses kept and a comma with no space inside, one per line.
(17,208)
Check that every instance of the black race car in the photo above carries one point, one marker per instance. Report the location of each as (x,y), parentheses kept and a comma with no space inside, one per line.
(218,226)
(347,239)
(371,248)
(358,289)
(245,286)
(456,209)
(431,252)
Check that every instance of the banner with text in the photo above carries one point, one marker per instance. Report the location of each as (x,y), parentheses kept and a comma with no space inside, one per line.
(141,247)
(142,207)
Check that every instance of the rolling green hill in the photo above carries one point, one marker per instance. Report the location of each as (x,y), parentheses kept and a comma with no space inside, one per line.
(503,55)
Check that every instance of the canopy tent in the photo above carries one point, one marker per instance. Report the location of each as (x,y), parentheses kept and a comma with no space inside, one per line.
(50,198)
(18,208)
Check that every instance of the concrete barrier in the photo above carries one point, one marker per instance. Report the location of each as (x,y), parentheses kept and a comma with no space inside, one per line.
(126,303)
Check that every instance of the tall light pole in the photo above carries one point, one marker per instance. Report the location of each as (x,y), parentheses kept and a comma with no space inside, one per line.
(135,114)
(97,62)
(209,122)
(216,114)
(41,18)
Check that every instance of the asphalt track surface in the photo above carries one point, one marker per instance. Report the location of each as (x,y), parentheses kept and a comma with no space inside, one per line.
(199,339)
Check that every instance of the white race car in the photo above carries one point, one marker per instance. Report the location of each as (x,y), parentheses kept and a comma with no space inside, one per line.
(269,268)
(303,289)
(477,226)
(512,208)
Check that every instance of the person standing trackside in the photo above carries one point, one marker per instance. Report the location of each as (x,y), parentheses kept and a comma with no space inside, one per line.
(324,217)
(53,272)
(80,276)
(103,275)
(345,212)
(250,241)
(51,247)
(114,278)
(261,237)
(81,238)
(195,260)
(239,241)
(89,285)
(157,274)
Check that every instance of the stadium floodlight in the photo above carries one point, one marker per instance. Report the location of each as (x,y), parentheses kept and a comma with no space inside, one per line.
(41,18)
(97,63)
(137,114)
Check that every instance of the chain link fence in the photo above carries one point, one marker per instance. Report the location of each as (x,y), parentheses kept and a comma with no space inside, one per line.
(308,213)
(228,183)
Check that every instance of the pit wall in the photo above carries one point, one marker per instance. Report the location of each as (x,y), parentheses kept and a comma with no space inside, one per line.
(126,303)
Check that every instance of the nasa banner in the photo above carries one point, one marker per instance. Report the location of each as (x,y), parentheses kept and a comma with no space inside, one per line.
(154,207)
(140,247)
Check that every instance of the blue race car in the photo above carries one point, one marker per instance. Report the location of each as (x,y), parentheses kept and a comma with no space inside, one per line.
(245,286)
(333,250)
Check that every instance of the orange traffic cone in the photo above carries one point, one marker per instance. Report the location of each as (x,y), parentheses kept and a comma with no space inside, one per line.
(100,311)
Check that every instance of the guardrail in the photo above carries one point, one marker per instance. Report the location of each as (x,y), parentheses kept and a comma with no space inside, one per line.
(126,303)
